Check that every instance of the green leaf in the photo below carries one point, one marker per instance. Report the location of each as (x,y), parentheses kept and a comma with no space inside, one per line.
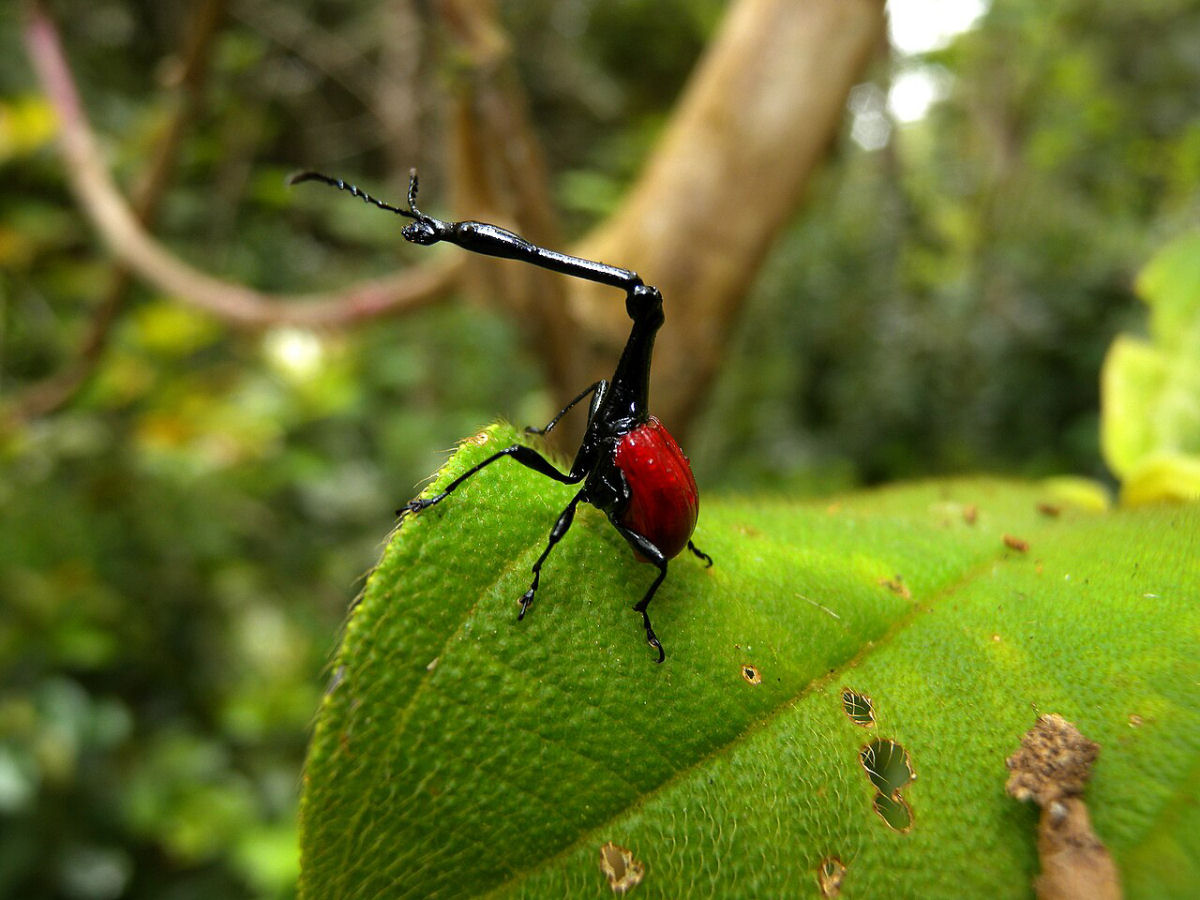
(459,751)
(1170,284)
(1150,428)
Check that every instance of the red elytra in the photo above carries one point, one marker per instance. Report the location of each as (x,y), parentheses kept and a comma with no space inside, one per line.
(664,501)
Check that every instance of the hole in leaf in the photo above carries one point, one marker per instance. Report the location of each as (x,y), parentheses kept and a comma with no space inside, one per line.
(894,811)
(751,674)
(623,872)
(830,873)
(887,766)
(858,707)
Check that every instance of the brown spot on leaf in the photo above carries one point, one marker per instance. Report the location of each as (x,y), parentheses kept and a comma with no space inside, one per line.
(1016,543)
(1054,762)
(830,874)
(478,440)
(1051,768)
(751,674)
(623,872)
(970,513)
(896,585)
(1049,510)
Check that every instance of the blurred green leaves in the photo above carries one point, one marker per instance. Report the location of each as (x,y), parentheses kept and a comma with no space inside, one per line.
(26,125)
(1151,387)
(945,302)
(178,545)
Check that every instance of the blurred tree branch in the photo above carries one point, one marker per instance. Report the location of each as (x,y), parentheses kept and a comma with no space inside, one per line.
(752,125)
(55,391)
(499,173)
(135,247)
(755,119)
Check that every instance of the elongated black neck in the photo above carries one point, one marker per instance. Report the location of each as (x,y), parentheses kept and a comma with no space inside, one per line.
(626,403)
(629,393)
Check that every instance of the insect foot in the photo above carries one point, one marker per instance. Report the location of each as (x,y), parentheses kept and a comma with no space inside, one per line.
(417,505)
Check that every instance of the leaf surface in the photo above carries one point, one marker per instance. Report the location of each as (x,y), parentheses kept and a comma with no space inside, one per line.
(461,752)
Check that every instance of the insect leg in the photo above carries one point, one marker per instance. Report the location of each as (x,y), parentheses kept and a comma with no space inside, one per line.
(598,386)
(701,554)
(556,535)
(653,555)
(522,454)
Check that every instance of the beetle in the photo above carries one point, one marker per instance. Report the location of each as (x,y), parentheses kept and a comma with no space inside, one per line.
(629,465)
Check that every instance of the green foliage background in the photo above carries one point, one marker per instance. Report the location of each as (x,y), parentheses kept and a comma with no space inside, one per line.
(178,547)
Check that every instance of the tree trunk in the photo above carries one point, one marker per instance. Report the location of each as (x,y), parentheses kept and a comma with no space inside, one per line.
(764,103)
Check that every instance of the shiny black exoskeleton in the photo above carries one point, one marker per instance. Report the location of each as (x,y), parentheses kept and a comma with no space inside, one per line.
(630,466)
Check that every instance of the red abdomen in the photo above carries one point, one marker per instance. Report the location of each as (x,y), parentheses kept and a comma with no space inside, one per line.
(664,502)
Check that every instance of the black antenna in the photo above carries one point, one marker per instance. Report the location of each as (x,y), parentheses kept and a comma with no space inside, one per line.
(412,212)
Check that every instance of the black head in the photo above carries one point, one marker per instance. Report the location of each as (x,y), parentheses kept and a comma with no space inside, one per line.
(644,304)
(424,230)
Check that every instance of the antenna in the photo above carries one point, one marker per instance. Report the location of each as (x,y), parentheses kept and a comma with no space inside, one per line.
(412,212)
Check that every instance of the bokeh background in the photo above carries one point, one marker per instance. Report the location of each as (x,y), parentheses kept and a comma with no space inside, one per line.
(188,505)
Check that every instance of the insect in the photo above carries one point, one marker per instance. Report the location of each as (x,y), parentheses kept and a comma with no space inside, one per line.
(629,465)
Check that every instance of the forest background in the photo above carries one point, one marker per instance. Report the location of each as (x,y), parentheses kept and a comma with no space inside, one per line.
(190,496)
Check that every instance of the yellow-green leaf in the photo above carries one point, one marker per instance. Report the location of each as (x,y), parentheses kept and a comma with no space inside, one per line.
(1151,389)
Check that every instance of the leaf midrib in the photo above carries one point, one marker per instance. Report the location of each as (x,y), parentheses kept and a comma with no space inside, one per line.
(756,726)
